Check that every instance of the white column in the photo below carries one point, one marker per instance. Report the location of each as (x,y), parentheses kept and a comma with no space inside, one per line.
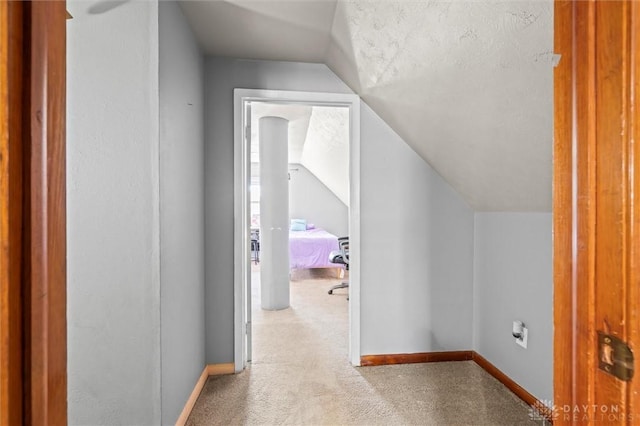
(274,212)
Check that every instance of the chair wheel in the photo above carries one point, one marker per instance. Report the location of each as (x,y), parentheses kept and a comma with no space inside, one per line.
(330,291)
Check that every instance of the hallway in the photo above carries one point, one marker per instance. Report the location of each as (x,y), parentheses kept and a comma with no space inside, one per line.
(300,374)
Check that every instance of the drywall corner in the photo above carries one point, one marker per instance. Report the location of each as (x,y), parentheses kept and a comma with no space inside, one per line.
(181,76)
(513,281)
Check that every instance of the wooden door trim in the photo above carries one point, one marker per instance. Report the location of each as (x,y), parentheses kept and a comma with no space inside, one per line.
(46,305)
(33,380)
(562,205)
(633,295)
(596,215)
(11,161)
(574,198)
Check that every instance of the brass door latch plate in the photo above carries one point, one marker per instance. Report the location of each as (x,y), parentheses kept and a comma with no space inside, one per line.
(615,356)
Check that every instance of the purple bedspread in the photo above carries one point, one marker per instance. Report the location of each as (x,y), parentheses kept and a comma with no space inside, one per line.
(310,249)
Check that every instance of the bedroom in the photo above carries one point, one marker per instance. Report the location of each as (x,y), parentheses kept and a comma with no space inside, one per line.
(299,182)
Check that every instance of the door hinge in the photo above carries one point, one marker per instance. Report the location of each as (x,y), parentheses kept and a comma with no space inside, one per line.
(247,327)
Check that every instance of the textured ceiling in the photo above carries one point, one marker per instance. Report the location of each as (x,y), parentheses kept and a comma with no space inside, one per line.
(298,117)
(318,139)
(326,149)
(467,84)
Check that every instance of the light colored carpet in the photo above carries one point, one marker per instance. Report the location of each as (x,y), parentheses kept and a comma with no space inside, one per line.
(300,375)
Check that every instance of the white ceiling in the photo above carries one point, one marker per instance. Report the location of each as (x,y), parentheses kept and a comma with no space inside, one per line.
(318,139)
(467,84)
(290,30)
(298,117)
(326,149)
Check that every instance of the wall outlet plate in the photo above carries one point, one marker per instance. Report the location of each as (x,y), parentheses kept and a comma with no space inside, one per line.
(525,335)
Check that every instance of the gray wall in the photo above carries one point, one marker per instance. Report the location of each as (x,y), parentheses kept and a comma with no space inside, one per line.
(181,210)
(113,285)
(513,281)
(417,233)
(310,199)
(417,250)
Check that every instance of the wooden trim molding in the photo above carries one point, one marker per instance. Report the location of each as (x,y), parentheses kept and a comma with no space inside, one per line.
(515,388)
(209,370)
(421,357)
(191,402)
(45,299)
(11,212)
(33,378)
(220,369)
(596,213)
(564,263)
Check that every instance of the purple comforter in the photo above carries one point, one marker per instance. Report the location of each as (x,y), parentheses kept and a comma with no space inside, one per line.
(310,249)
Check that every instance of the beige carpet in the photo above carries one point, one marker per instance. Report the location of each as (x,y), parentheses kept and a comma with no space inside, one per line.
(300,375)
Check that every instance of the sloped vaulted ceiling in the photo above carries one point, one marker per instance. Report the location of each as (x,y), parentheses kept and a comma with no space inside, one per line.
(467,84)
(318,140)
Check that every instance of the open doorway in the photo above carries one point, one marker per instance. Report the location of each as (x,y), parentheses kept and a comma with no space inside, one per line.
(306,229)
(300,107)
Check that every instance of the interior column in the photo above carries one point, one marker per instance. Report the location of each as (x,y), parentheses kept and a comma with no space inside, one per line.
(274,212)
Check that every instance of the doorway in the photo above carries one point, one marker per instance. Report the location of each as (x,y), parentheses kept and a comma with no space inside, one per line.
(243,98)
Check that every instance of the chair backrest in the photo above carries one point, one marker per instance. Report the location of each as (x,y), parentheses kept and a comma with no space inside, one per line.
(343,243)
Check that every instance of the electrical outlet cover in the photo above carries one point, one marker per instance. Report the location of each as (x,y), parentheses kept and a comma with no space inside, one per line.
(525,334)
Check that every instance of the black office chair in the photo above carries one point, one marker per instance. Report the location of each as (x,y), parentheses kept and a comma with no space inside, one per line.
(340,257)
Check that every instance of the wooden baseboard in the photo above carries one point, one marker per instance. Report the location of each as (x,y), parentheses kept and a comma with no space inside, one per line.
(209,370)
(373,360)
(504,379)
(517,390)
(182,420)
(219,369)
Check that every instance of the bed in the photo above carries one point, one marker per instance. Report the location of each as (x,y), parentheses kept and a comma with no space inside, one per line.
(310,249)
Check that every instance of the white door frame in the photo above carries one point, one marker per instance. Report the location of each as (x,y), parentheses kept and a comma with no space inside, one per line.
(241,177)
